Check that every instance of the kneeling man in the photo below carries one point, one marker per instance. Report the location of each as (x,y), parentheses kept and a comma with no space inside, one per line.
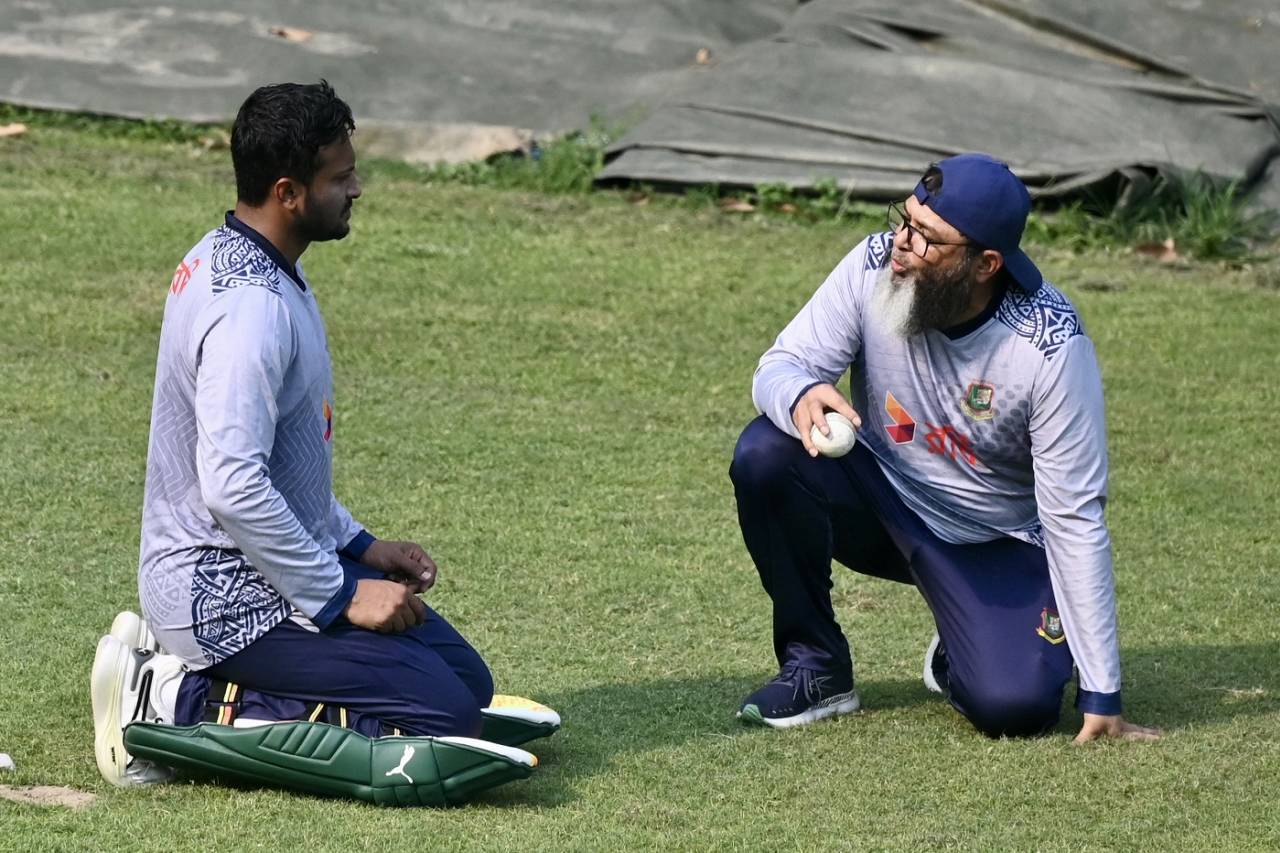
(270,602)
(979,476)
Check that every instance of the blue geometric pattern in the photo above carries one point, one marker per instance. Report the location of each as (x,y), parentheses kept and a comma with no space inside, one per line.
(1046,318)
(878,248)
(238,262)
(231,603)
(1033,533)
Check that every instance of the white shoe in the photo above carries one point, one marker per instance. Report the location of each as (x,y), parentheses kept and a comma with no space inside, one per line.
(132,630)
(931,665)
(130,685)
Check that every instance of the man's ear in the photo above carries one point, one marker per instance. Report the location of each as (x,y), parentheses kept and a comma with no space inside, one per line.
(288,193)
(990,262)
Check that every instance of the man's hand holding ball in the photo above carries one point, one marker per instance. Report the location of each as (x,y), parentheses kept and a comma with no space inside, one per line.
(826,422)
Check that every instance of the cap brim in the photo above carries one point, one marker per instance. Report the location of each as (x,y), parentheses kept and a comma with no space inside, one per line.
(1024,272)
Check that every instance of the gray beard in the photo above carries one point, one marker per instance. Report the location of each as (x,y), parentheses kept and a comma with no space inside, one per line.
(915,303)
(891,301)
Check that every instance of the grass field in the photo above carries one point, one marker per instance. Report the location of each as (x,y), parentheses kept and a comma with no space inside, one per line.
(545,390)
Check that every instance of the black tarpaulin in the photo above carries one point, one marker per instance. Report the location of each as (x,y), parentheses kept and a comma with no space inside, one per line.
(1073,93)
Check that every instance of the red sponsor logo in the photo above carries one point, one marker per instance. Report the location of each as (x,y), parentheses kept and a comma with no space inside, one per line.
(946,440)
(181,276)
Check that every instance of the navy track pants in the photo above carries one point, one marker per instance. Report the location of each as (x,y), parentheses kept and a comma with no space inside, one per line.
(425,681)
(797,513)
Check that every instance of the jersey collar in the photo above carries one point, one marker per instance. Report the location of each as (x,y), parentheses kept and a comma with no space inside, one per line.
(970,326)
(268,248)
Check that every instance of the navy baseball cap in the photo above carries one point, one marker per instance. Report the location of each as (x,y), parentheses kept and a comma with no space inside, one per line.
(987,203)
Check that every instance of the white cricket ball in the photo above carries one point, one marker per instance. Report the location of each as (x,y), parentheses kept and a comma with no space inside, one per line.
(6,763)
(842,439)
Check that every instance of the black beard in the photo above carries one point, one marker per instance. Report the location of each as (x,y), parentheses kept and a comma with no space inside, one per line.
(941,296)
(315,228)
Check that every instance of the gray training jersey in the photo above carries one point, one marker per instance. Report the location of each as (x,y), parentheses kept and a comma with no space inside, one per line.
(996,432)
(239,524)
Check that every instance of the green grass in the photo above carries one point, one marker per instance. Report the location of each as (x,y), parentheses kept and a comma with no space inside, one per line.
(546,389)
(1198,216)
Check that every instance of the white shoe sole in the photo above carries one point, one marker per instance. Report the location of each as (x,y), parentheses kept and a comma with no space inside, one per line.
(930,682)
(843,703)
(110,664)
(131,629)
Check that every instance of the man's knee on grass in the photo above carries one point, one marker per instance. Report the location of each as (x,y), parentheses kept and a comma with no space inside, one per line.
(1008,709)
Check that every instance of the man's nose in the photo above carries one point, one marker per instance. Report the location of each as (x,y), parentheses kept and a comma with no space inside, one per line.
(900,239)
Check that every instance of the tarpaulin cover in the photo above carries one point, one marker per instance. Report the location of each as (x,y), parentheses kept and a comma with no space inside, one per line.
(1073,93)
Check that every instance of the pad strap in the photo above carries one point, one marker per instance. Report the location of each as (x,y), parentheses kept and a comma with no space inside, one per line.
(222,702)
(223,705)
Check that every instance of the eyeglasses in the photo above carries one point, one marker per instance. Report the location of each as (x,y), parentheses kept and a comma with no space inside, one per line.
(919,243)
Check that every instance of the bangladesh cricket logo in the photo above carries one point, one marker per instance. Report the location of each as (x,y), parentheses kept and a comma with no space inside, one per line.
(1051,626)
(977,402)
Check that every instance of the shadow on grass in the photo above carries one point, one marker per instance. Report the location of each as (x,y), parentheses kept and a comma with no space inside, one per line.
(1173,687)
(1179,686)
(607,721)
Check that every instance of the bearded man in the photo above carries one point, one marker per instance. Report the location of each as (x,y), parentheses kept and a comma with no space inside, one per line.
(980,474)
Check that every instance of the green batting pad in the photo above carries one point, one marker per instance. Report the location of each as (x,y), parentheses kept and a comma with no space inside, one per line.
(513,720)
(513,731)
(320,759)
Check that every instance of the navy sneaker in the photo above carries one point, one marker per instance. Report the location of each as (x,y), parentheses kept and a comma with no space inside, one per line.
(935,666)
(798,696)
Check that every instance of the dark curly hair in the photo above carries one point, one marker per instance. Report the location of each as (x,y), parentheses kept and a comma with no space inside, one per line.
(278,133)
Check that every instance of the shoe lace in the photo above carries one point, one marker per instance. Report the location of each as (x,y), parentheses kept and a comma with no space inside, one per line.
(814,685)
(803,680)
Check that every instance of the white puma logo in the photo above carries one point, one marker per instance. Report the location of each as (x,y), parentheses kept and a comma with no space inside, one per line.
(404,759)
